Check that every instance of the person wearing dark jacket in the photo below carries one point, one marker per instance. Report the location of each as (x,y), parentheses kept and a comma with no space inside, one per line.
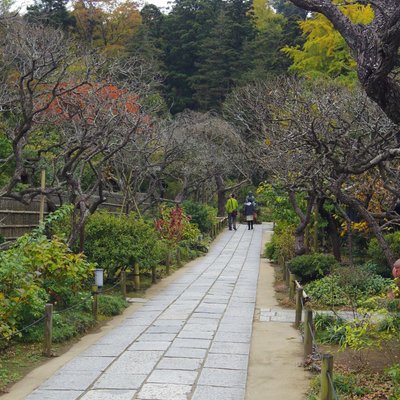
(249,211)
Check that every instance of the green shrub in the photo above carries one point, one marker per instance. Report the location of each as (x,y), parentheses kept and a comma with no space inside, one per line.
(393,372)
(61,272)
(329,328)
(58,223)
(348,384)
(174,227)
(348,286)
(110,305)
(202,215)
(115,242)
(309,267)
(376,254)
(271,251)
(282,242)
(66,325)
(33,272)
(359,283)
(326,291)
(77,319)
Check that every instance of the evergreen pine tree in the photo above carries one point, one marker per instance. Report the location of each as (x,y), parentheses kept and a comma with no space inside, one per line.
(51,12)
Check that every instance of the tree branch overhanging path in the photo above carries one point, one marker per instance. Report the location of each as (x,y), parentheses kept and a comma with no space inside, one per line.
(374,46)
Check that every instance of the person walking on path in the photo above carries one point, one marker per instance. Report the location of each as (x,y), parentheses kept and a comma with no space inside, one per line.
(249,212)
(231,208)
(250,197)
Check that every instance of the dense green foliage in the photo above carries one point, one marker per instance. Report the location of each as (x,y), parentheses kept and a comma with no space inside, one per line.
(110,305)
(346,287)
(282,242)
(77,318)
(200,214)
(118,241)
(33,272)
(309,267)
(377,256)
(329,328)
(206,47)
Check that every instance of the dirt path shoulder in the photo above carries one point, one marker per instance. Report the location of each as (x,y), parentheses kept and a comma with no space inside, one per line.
(276,350)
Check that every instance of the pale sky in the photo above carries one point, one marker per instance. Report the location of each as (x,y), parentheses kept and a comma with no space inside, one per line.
(164,4)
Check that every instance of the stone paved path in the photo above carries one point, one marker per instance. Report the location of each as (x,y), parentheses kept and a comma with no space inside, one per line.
(191,341)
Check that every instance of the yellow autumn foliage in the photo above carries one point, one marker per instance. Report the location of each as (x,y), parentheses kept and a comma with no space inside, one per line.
(325,52)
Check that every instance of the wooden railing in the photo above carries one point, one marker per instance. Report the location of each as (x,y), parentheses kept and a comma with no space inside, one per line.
(304,307)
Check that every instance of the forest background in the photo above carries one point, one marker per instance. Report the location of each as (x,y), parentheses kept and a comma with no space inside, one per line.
(187,106)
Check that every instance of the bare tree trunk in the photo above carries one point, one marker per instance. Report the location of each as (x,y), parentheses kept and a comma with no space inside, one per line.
(300,247)
(332,231)
(221,191)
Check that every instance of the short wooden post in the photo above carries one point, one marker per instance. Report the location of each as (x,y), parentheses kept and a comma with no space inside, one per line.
(326,369)
(153,274)
(48,329)
(123,283)
(292,285)
(299,306)
(95,304)
(284,269)
(287,274)
(308,332)
(42,196)
(136,276)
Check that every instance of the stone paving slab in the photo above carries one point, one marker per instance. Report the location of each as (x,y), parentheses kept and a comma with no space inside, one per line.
(191,341)
(153,391)
(55,395)
(122,380)
(281,315)
(223,377)
(109,394)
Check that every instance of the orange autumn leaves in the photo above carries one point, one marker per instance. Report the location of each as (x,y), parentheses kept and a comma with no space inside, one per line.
(84,100)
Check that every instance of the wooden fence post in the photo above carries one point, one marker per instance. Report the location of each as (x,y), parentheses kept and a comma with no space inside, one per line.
(95,304)
(326,369)
(299,306)
(123,283)
(48,330)
(136,275)
(308,332)
(284,270)
(42,196)
(287,274)
(292,285)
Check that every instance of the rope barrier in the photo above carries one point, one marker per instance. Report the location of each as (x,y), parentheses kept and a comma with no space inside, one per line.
(111,288)
(22,329)
(59,312)
(331,383)
(317,355)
